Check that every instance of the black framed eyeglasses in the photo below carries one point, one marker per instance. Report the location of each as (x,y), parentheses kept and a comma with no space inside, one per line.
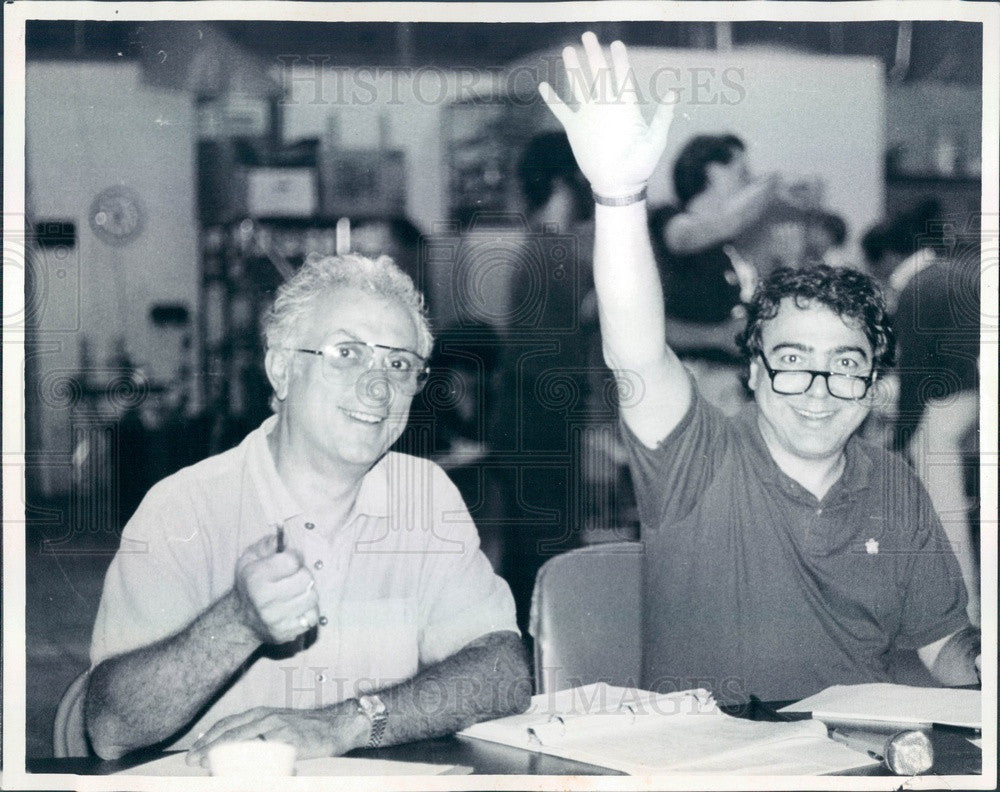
(404,367)
(790,382)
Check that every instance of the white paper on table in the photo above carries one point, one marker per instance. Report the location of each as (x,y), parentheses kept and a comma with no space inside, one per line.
(683,732)
(174,765)
(889,703)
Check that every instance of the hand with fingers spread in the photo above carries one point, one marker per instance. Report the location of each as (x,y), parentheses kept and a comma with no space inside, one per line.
(327,731)
(276,592)
(615,147)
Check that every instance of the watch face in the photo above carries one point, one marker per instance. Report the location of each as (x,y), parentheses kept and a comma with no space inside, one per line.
(372,706)
(116,215)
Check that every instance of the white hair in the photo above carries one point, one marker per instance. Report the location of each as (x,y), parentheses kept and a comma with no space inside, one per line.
(319,276)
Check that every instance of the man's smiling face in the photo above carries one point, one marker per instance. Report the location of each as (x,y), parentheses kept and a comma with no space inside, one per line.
(812,426)
(348,418)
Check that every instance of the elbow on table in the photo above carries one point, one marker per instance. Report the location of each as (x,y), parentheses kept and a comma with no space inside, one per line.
(103,738)
(518,680)
(106,731)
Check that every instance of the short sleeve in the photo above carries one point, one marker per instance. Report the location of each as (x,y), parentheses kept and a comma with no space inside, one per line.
(153,587)
(935,599)
(461,597)
(670,478)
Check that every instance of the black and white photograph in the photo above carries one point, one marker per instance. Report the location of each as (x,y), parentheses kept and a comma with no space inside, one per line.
(500,395)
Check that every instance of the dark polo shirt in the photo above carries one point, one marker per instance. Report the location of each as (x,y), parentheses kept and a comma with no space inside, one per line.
(753,586)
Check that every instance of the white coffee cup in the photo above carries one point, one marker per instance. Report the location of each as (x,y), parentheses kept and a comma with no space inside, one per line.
(252,758)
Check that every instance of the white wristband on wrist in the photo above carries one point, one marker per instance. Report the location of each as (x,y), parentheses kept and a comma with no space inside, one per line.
(621,200)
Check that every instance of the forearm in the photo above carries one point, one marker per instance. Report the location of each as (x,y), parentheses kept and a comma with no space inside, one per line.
(484,680)
(144,696)
(954,660)
(690,233)
(629,294)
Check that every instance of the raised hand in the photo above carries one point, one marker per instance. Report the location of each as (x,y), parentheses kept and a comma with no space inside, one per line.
(614,146)
(276,592)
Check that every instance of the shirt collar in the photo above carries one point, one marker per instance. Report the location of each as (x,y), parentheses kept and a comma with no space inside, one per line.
(277,501)
(858,466)
(280,505)
(373,496)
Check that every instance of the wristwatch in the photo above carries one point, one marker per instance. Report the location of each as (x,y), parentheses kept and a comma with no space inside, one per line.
(373,708)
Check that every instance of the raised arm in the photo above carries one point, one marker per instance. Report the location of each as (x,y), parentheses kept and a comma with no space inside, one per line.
(617,151)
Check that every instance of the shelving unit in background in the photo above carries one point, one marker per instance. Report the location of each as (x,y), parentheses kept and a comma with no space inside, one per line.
(265,205)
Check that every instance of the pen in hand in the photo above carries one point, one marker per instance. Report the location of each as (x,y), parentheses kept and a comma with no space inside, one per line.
(281,538)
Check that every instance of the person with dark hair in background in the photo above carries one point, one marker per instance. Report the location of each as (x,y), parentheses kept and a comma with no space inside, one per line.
(460,394)
(717,202)
(551,184)
(398,238)
(825,235)
(931,273)
(783,554)
(727,229)
(552,369)
(932,291)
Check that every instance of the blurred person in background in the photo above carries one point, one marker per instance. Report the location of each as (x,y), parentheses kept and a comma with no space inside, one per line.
(552,371)
(460,398)
(825,236)
(398,238)
(727,230)
(931,273)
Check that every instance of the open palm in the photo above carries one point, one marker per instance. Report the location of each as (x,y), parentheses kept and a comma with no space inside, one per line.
(615,147)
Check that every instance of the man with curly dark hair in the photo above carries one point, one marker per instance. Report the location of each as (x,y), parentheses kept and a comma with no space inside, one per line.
(783,554)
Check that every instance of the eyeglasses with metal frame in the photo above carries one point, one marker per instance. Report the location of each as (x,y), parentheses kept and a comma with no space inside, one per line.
(790,382)
(404,367)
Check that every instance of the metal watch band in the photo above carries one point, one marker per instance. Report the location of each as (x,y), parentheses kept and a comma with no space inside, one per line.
(378,730)
(373,708)
(621,200)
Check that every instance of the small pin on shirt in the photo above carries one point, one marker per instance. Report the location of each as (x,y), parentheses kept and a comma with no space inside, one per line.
(871,547)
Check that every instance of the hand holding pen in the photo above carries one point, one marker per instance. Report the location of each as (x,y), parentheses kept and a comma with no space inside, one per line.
(276,591)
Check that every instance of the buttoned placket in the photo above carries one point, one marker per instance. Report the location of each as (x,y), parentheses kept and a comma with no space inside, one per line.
(325,560)
(314,546)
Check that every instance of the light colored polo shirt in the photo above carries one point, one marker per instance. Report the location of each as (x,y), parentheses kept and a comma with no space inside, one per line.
(402,583)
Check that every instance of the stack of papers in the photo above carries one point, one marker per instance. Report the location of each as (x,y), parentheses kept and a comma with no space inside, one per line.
(898,704)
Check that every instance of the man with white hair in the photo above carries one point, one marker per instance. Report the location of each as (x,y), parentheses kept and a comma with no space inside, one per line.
(308,586)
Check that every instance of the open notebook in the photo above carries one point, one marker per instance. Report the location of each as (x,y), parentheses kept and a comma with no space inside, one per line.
(639,732)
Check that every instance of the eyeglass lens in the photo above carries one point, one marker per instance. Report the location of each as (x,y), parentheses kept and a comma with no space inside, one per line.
(841,386)
(398,364)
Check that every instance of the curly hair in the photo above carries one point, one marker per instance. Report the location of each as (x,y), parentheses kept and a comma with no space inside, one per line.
(848,293)
(320,275)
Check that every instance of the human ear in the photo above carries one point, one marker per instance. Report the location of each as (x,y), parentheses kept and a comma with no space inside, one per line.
(278,365)
(754,373)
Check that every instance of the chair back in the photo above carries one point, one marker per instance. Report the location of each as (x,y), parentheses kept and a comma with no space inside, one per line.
(69,734)
(586,617)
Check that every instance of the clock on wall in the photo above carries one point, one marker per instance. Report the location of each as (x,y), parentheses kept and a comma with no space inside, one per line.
(116,215)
